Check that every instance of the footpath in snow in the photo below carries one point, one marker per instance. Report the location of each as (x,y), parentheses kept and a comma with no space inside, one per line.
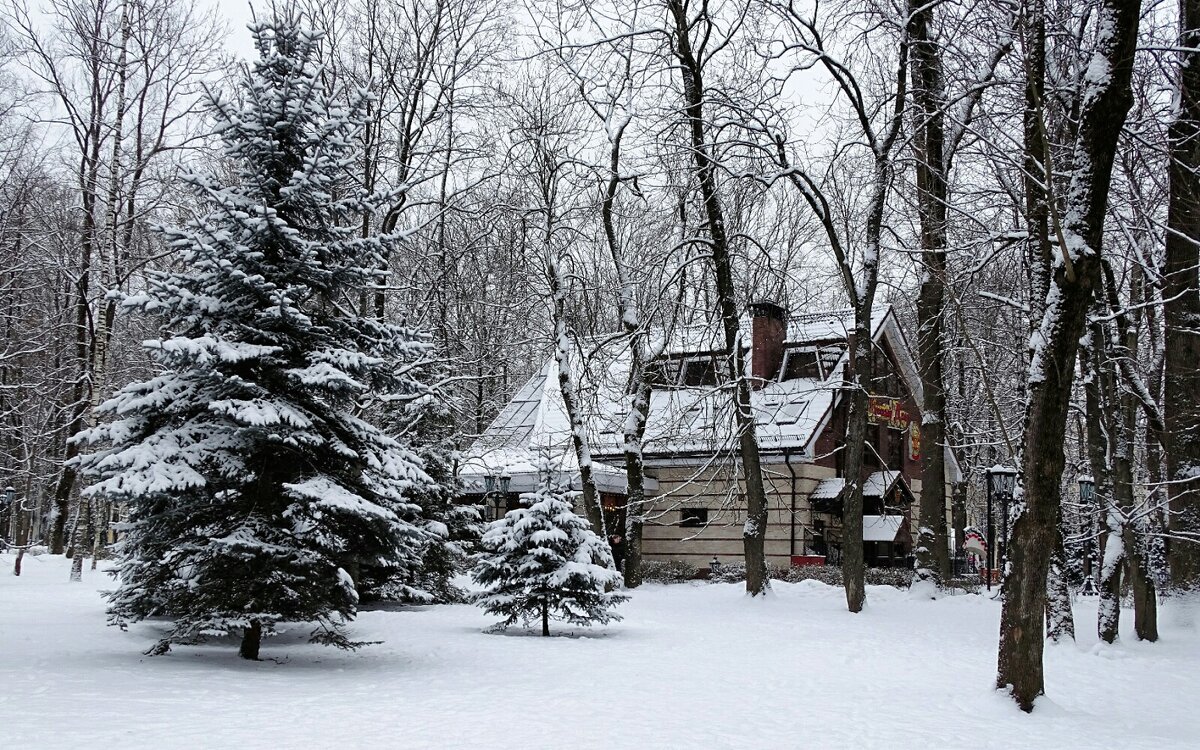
(691,666)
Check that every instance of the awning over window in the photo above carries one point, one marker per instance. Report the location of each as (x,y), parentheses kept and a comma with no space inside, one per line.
(882,528)
(829,489)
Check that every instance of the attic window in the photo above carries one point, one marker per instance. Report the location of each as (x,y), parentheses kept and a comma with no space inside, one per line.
(811,362)
(802,363)
(698,372)
(664,372)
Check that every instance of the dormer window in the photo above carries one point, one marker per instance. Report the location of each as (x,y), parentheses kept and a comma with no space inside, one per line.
(698,371)
(684,372)
(811,362)
(802,363)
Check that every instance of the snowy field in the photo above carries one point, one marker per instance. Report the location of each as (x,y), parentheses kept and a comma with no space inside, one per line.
(692,666)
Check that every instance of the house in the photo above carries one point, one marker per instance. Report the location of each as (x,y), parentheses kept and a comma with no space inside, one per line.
(798,367)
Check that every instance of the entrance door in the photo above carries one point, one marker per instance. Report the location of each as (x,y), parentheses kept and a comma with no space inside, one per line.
(613,507)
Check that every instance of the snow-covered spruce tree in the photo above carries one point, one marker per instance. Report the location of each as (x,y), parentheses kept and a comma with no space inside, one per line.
(543,561)
(454,529)
(256,493)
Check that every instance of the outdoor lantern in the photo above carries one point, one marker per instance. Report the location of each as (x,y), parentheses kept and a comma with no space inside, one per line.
(10,496)
(1087,489)
(505,481)
(715,565)
(1087,494)
(489,484)
(1001,481)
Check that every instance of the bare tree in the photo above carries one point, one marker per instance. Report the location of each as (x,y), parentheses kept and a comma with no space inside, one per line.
(1104,101)
(1181,294)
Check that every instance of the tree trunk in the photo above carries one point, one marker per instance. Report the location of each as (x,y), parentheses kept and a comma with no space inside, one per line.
(635,474)
(959,514)
(691,69)
(545,619)
(1099,392)
(932,548)
(1145,602)
(251,641)
(638,391)
(1105,102)
(1060,621)
(1181,295)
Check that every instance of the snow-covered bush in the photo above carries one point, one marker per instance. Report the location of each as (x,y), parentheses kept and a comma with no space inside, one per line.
(544,562)
(670,571)
(258,492)
(832,575)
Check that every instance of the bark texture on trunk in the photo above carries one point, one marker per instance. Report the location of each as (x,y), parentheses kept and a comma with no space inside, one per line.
(545,619)
(1097,388)
(1060,620)
(691,69)
(928,91)
(854,568)
(1105,102)
(1181,294)
(635,474)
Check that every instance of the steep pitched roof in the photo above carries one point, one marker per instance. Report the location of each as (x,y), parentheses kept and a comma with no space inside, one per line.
(789,414)
(683,419)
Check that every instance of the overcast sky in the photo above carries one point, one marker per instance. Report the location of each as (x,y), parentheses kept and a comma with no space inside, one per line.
(236,14)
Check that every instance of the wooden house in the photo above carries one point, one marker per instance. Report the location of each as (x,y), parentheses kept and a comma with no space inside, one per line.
(797,364)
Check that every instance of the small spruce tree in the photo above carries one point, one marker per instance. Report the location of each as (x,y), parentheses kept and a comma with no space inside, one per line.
(257,490)
(543,561)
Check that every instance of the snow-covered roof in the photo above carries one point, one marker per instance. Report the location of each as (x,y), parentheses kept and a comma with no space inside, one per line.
(516,439)
(828,489)
(880,483)
(700,419)
(789,414)
(882,528)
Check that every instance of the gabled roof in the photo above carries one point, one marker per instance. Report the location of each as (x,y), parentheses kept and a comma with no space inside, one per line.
(682,420)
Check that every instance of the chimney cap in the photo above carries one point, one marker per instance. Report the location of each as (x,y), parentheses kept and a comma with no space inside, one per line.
(768,309)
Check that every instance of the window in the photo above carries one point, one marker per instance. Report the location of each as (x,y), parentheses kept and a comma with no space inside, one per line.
(664,373)
(895,454)
(802,363)
(699,371)
(693,517)
(871,451)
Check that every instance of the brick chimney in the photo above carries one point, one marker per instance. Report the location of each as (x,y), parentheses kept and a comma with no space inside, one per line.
(768,331)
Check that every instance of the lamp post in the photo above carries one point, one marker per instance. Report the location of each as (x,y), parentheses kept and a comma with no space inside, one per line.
(495,489)
(1087,494)
(1001,481)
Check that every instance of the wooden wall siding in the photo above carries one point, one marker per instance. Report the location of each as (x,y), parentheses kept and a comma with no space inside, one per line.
(665,539)
(680,488)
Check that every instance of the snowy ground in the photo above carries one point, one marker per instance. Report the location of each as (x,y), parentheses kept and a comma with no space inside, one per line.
(692,666)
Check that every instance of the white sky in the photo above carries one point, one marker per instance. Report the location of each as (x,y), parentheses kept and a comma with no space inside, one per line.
(236,14)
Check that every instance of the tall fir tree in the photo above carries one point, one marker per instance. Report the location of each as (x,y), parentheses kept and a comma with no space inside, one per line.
(544,562)
(257,491)
(454,528)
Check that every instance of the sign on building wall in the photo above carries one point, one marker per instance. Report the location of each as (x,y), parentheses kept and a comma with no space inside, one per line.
(888,411)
